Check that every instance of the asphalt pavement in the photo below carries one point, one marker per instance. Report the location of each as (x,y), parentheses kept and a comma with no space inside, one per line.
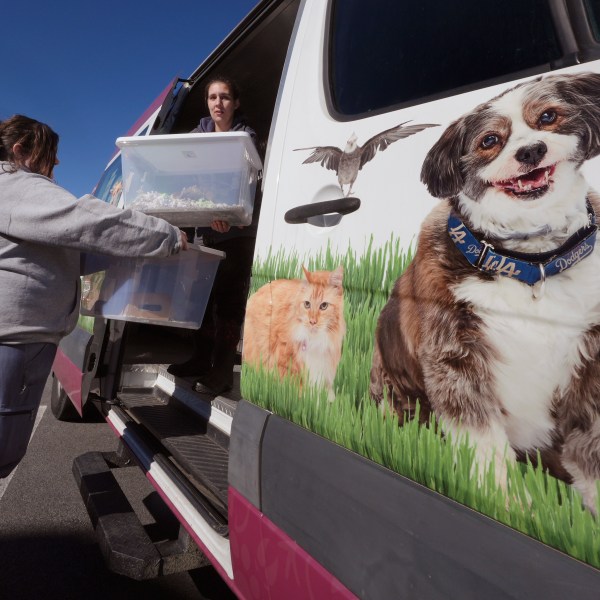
(48,549)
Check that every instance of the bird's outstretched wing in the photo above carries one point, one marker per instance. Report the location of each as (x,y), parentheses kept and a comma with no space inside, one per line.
(328,156)
(382,140)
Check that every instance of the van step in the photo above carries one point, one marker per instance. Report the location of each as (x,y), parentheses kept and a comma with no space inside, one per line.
(187,437)
(125,544)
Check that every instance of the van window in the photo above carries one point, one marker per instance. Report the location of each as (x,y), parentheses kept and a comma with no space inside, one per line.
(384,54)
(593,8)
(108,188)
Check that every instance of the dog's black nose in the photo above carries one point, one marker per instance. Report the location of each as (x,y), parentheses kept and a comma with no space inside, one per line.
(532,154)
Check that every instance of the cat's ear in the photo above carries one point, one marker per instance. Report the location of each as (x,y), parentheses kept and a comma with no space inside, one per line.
(306,273)
(335,279)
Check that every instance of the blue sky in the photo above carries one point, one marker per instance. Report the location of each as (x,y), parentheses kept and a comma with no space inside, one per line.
(89,69)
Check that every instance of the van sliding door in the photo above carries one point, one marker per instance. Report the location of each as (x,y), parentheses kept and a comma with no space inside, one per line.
(366,95)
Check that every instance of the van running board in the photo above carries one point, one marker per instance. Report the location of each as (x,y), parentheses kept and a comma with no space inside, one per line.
(197,447)
(125,544)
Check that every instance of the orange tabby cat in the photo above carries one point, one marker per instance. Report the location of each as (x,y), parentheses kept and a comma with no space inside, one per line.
(297,326)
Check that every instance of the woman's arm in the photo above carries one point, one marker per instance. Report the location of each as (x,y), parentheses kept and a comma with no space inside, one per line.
(35,209)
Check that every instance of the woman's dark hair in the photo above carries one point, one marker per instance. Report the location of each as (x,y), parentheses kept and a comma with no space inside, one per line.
(39,144)
(232,85)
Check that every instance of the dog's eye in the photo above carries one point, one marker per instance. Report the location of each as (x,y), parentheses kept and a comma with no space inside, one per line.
(490,141)
(547,117)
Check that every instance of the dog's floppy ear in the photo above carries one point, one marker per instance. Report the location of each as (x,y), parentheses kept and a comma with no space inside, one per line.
(441,168)
(583,91)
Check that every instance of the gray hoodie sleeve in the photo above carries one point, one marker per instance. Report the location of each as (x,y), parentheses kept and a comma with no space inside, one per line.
(37,210)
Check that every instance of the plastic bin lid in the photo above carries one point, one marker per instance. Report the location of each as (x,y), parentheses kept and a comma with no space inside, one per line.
(206,250)
(180,139)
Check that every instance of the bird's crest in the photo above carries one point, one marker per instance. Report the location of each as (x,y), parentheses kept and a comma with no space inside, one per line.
(351,144)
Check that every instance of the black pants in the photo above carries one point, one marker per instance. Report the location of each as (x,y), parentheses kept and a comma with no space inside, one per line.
(217,339)
(230,289)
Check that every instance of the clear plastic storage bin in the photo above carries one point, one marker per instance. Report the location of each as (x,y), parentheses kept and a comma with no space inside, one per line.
(169,291)
(191,179)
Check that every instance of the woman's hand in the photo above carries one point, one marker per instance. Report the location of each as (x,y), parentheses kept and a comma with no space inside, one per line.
(220,226)
(115,190)
(184,240)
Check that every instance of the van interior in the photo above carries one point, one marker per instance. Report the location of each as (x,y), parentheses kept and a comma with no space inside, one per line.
(253,56)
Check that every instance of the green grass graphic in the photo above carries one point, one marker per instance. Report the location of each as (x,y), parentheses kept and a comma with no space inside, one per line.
(533,503)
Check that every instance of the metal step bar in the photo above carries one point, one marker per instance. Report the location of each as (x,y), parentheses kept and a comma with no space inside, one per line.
(115,522)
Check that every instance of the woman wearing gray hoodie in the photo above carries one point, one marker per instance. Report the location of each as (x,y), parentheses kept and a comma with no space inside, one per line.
(44,230)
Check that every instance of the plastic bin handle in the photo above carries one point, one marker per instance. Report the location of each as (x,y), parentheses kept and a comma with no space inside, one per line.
(322,214)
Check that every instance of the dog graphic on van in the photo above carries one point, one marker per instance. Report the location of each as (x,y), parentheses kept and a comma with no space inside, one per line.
(348,162)
(495,325)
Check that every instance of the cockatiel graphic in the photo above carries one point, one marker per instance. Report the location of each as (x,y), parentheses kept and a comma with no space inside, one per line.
(349,161)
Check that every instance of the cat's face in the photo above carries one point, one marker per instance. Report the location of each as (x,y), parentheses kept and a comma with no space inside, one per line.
(297,326)
(320,303)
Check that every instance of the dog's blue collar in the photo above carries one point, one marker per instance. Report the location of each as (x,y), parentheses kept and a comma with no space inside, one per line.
(528,268)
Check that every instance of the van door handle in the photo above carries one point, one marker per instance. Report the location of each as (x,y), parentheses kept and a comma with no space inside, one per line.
(322,214)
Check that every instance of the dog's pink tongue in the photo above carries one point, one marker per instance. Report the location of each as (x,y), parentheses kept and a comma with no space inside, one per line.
(536,178)
(533,180)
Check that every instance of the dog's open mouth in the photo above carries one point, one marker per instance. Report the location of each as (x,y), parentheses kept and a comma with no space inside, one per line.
(531,185)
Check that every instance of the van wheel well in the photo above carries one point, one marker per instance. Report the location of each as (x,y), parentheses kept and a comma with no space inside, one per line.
(60,403)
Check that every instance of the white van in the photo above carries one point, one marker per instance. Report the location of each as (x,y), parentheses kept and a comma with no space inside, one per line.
(311,479)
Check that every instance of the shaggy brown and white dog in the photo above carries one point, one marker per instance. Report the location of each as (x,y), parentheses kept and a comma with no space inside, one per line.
(495,325)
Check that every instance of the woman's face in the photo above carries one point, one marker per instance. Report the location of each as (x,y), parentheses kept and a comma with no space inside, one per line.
(221,105)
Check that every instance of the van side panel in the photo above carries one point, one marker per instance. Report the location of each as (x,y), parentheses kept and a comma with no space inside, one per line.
(294,367)
(70,364)
(265,558)
(385,536)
